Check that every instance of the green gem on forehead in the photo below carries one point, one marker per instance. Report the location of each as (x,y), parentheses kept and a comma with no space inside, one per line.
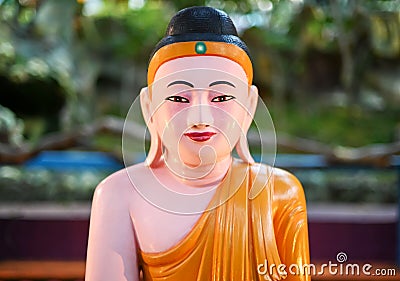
(200,48)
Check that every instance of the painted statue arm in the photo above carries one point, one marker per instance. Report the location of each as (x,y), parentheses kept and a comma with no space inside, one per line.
(290,220)
(112,248)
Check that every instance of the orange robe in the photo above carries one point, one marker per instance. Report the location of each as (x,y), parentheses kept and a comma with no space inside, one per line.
(241,238)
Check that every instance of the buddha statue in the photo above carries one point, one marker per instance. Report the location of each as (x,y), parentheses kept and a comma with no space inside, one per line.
(193,211)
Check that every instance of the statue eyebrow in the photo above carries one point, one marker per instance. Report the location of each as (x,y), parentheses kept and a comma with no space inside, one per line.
(181,82)
(222,82)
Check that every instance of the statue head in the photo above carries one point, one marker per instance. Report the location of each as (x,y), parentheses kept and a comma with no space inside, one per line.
(200,101)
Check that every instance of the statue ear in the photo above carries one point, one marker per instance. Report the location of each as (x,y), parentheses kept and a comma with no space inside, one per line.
(242,147)
(155,152)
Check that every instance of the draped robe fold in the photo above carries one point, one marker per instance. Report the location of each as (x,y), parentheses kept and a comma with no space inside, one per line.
(241,237)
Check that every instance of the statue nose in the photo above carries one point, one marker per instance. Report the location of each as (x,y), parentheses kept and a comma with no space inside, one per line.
(200,116)
(201,126)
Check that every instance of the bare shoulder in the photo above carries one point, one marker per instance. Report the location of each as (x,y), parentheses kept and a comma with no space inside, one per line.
(119,185)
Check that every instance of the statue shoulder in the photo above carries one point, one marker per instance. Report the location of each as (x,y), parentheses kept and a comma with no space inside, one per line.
(287,189)
(284,180)
(119,185)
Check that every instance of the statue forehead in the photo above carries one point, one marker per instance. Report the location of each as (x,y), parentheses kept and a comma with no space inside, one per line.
(221,65)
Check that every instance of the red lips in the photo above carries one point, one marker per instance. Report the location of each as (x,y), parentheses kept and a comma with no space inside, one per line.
(200,136)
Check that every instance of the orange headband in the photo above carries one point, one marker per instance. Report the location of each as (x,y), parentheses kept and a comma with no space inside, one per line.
(198,48)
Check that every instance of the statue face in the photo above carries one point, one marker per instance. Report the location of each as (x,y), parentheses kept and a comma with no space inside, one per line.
(200,107)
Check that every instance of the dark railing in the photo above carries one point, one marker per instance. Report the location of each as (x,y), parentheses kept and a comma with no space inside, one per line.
(42,270)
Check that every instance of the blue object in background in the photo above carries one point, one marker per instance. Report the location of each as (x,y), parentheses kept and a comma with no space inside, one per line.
(294,160)
(74,160)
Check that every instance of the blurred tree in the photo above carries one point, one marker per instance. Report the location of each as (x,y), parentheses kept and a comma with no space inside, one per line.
(43,68)
(313,47)
(82,58)
(121,40)
(11,128)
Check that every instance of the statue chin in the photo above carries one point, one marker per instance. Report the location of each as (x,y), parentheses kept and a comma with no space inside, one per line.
(199,150)
(192,155)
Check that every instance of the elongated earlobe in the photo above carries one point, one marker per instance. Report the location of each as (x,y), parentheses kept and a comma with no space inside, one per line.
(242,147)
(153,158)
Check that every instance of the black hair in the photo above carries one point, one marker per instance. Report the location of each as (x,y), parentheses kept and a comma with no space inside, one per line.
(201,24)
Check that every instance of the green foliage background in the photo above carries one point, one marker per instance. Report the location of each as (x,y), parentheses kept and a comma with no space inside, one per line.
(316,62)
(327,70)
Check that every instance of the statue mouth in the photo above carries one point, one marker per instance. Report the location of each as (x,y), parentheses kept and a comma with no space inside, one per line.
(200,136)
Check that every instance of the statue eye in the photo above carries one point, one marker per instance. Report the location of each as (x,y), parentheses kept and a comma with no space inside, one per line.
(222,98)
(177,99)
